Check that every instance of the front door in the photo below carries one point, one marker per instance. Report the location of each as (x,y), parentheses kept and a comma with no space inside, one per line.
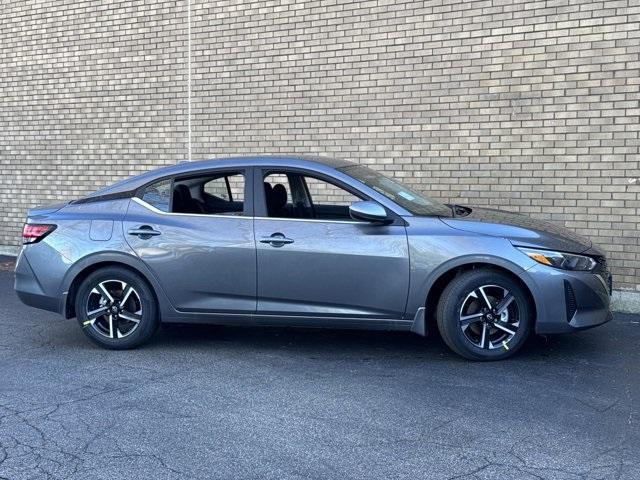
(196,235)
(314,260)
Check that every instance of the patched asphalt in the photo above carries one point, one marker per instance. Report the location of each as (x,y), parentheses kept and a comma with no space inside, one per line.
(256,403)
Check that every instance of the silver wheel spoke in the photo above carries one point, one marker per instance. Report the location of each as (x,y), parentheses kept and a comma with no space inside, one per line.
(103,291)
(467,319)
(110,326)
(484,296)
(127,292)
(96,313)
(484,336)
(504,303)
(132,317)
(505,327)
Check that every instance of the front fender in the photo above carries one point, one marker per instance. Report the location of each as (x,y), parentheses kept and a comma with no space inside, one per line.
(433,257)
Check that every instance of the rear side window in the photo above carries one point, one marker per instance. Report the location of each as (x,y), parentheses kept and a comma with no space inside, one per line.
(158,195)
(218,188)
(229,188)
(220,195)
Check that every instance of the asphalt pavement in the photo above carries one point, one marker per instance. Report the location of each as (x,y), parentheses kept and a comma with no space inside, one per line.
(232,403)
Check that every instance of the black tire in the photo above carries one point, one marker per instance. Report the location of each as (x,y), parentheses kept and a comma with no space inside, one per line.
(140,305)
(470,291)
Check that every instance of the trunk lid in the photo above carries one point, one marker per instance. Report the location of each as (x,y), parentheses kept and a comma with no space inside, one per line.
(42,211)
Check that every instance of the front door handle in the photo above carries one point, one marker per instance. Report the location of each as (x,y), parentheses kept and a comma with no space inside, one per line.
(276,240)
(144,232)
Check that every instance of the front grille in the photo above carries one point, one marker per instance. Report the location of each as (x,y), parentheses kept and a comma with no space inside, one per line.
(569,301)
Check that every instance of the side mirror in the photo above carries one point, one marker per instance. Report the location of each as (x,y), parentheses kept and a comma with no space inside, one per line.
(369,212)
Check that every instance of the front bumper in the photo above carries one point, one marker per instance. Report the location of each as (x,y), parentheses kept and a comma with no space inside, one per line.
(568,301)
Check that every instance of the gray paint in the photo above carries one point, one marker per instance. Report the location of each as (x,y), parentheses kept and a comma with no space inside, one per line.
(521,230)
(204,262)
(101,230)
(216,269)
(333,268)
(368,211)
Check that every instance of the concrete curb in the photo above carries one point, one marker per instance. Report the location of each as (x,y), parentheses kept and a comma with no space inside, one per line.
(623,301)
(9,250)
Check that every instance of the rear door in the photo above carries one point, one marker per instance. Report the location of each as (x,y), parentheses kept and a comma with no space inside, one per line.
(314,260)
(206,261)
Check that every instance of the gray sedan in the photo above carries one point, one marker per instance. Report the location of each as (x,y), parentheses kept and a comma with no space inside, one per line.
(303,241)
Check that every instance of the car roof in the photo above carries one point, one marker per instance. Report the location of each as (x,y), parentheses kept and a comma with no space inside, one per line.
(315,163)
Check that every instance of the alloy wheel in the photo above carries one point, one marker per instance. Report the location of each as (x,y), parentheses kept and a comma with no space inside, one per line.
(113,309)
(489,317)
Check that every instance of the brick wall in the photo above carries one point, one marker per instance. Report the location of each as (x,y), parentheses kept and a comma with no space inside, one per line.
(532,106)
(90,92)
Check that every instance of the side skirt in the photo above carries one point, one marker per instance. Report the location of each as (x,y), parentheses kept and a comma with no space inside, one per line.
(232,319)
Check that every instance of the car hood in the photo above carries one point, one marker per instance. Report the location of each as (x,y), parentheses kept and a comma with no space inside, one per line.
(520,230)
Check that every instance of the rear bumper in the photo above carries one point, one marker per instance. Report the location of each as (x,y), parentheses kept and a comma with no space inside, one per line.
(29,288)
(569,301)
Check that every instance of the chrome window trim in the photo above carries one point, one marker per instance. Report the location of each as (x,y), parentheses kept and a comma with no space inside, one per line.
(214,215)
(314,220)
(246,217)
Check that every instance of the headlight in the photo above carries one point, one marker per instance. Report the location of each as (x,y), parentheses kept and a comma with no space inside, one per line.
(565,261)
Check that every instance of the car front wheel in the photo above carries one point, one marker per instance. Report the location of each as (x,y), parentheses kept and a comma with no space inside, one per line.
(484,315)
(116,308)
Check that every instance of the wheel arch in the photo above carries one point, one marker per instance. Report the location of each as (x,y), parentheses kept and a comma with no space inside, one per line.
(440,278)
(83,268)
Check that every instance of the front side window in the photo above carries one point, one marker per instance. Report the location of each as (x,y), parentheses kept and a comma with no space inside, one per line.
(325,194)
(414,202)
(294,195)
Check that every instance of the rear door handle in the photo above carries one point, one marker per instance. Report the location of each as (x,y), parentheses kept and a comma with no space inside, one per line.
(276,240)
(144,232)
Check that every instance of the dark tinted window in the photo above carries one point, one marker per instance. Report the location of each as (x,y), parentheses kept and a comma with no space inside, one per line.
(158,195)
(222,194)
(229,187)
(327,194)
(293,195)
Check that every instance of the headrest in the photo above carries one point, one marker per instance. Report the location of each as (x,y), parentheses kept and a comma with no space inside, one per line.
(279,196)
(183,191)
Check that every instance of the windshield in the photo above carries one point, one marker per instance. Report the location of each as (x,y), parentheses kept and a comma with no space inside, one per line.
(414,202)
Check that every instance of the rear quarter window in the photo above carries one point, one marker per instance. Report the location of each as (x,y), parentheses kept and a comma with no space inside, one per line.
(158,195)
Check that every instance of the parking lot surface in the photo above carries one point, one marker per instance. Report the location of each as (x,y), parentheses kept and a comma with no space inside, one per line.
(226,403)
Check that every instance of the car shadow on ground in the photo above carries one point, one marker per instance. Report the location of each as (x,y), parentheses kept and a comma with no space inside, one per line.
(351,343)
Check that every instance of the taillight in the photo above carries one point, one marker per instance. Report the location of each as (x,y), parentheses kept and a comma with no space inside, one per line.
(32,233)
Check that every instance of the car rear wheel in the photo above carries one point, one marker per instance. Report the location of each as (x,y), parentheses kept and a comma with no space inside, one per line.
(484,315)
(116,308)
